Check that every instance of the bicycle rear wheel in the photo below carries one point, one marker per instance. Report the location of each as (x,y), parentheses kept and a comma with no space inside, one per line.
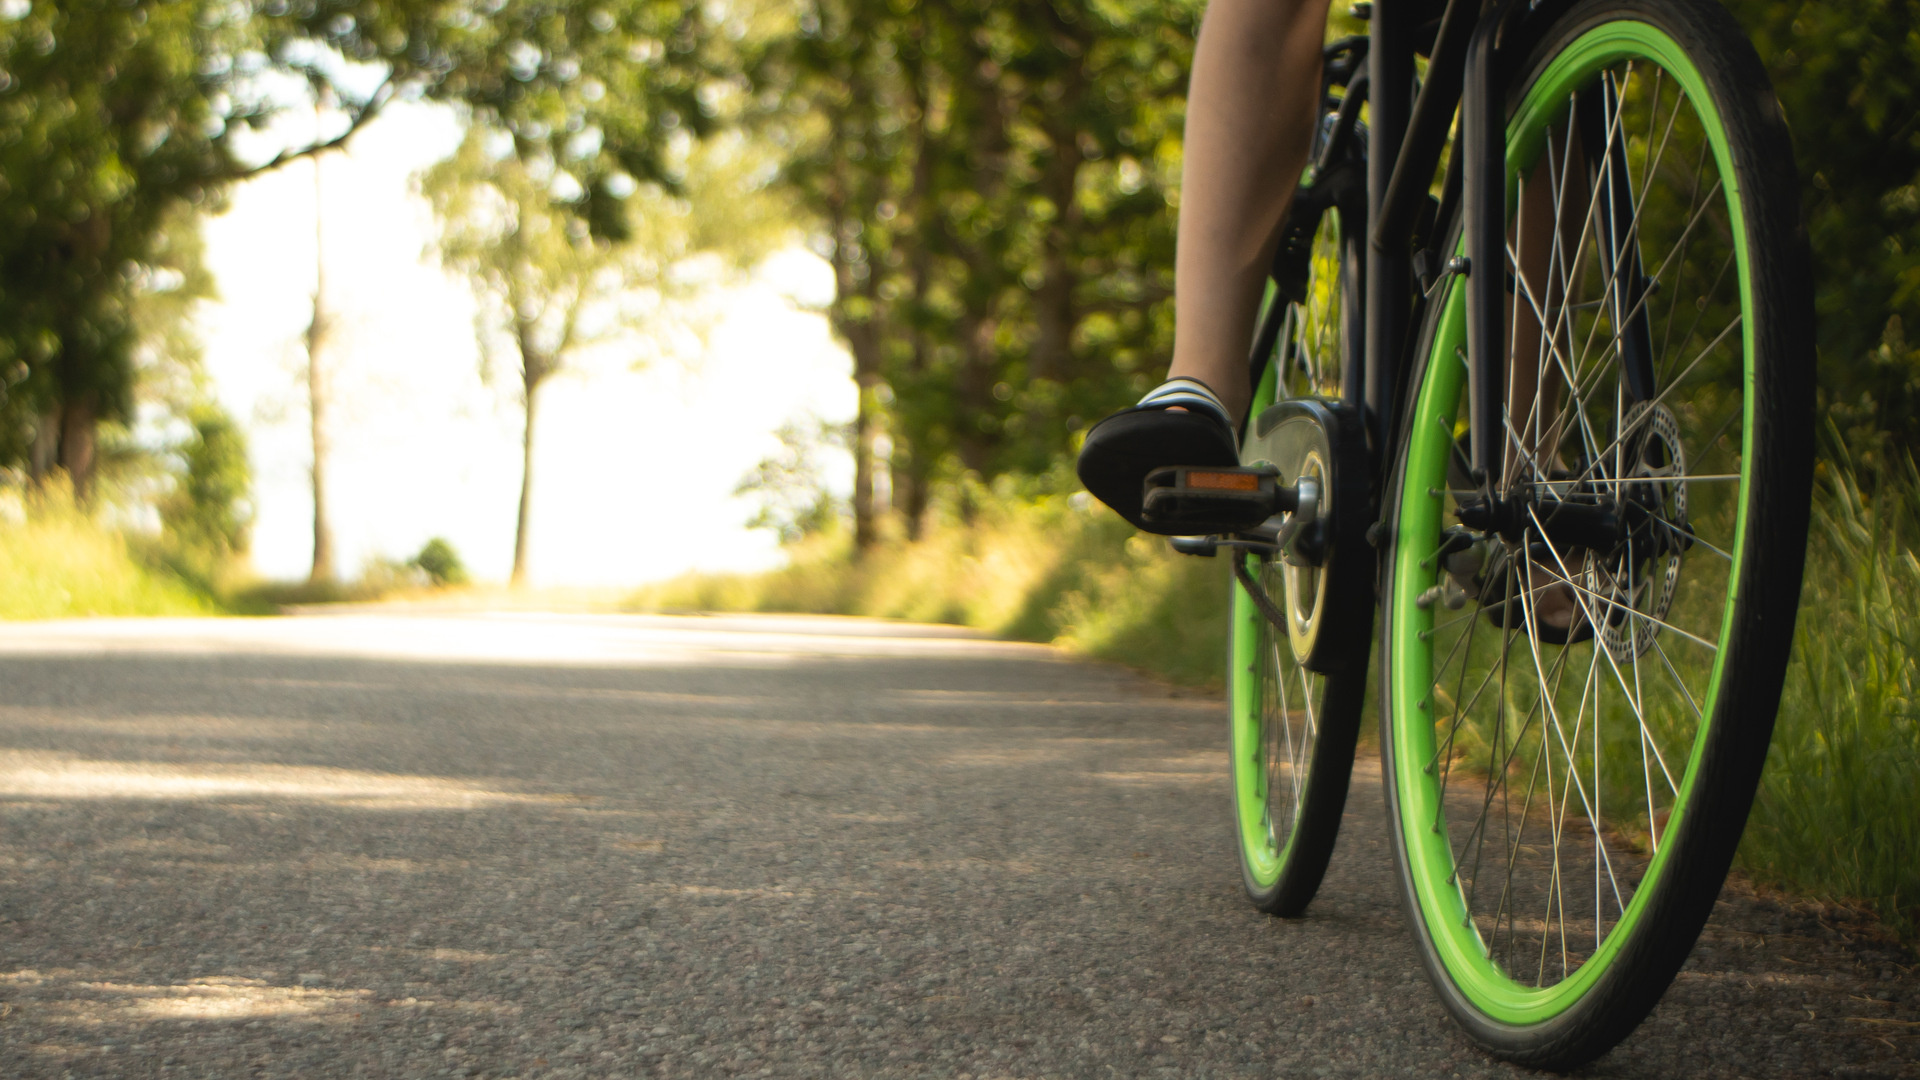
(1582,659)
(1292,728)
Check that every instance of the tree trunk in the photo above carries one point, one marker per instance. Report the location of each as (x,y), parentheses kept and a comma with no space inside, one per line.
(866,428)
(535,366)
(862,335)
(912,449)
(526,487)
(976,427)
(863,425)
(323,569)
(910,481)
(1053,302)
(79,423)
(1054,312)
(45,453)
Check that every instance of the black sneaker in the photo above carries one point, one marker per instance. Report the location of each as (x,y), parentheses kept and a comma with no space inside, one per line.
(1122,449)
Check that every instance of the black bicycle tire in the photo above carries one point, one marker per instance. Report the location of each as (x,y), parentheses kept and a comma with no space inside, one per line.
(1316,827)
(1766,593)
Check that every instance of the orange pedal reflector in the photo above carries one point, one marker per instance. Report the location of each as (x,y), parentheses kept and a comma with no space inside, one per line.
(1223,481)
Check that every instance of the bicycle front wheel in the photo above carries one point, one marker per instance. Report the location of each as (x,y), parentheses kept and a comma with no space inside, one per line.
(1583,649)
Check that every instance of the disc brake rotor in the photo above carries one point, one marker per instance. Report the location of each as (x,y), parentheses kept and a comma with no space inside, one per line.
(1631,588)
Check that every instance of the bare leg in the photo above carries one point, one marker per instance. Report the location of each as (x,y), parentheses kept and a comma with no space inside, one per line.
(1547,243)
(1548,246)
(1251,109)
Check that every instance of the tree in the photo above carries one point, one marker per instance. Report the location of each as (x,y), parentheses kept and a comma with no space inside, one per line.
(539,274)
(318,384)
(119,113)
(549,287)
(992,184)
(788,487)
(202,479)
(1848,75)
(208,515)
(440,562)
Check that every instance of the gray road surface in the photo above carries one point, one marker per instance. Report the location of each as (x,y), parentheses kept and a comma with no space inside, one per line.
(579,846)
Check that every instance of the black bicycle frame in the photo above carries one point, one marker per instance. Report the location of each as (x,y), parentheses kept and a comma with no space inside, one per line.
(1460,72)
(1405,226)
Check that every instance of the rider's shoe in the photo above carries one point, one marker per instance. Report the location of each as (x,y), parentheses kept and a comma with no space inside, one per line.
(1122,449)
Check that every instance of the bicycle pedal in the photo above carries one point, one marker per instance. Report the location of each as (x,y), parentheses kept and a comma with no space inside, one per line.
(1202,500)
(1205,547)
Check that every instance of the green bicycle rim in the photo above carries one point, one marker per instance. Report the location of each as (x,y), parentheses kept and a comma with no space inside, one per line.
(1443,907)
(1263,861)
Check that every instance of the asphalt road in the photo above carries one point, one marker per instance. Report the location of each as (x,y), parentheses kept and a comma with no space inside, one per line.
(519,845)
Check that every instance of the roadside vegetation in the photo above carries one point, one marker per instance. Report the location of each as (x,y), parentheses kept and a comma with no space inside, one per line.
(183,553)
(1027,562)
(1838,814)
(57,561)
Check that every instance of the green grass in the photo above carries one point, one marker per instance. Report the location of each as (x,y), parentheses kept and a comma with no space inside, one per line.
(61,560)
(58,562)
(1029,568)
(1838,816)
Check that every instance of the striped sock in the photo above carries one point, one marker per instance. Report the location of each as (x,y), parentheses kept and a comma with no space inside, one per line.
(1190,394)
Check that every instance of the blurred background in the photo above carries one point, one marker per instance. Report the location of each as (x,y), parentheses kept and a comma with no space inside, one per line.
(758,304)
(425,425)
(601,293)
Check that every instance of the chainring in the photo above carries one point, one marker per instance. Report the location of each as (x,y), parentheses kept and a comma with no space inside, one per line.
(1328,567)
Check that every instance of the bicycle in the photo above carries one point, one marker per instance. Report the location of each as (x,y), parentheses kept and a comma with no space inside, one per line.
(1555,421)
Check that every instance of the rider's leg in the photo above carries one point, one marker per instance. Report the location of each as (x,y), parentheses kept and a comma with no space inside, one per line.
(1251,108)
(1546,242)
(1554,203)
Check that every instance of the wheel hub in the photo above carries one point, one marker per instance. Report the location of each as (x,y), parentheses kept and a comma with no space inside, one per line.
(1618,528)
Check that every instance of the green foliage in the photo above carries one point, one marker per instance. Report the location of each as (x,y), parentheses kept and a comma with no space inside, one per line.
(788,488)
(209,509)
(1839,810)
(1022,563)
(441,563)
(1848,74)
(550,286)
(118,115)
(993,186)
(536,269)
(112,122)
(58,562)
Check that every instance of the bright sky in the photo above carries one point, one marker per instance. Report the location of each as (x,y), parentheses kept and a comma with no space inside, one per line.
(633,470)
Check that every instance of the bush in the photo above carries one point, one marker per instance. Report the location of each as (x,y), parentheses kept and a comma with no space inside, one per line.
(1026,563)
(205,520)
(57,561)
(441,563)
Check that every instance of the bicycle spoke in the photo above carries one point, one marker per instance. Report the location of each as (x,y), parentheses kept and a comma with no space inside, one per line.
(1633,698)
(1693,199)
(1550,749)
(1662,395)
(1574,784)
